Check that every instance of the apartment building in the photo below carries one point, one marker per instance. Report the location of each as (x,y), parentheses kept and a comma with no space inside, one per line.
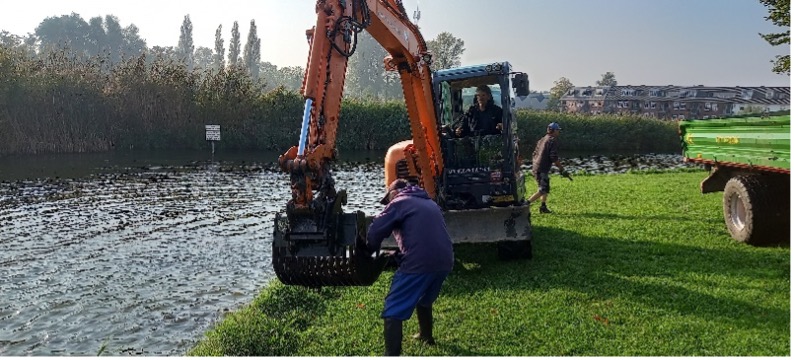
(675,102)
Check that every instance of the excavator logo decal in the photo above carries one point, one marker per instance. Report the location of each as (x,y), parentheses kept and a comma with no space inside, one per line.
(469,170)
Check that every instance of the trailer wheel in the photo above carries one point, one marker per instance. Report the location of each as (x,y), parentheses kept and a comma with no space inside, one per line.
(748,210)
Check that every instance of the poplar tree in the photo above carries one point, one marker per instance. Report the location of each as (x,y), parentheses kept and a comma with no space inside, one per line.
(234,45)
(251,54)
(218,58)
(185,47)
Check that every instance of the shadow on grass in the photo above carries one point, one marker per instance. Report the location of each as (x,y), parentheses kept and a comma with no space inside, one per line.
(452,348)
(643,272)
(607,216)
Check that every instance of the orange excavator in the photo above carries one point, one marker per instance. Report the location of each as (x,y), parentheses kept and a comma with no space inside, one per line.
(477,179)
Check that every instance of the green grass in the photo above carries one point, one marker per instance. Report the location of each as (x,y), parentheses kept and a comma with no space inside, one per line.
(628,265)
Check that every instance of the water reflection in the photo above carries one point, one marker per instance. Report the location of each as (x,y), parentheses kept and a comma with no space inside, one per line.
(145,260)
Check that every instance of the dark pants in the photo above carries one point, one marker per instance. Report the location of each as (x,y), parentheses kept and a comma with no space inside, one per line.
(409,290)
(544,185)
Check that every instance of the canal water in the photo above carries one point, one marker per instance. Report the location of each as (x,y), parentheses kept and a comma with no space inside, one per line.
(145,251)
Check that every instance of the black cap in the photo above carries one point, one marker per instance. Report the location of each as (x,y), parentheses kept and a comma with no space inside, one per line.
(395,185)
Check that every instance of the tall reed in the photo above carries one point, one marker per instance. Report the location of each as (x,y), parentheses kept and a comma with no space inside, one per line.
(56,103)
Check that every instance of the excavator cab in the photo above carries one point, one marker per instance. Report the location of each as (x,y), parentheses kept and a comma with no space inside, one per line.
(481,187)
(480,170)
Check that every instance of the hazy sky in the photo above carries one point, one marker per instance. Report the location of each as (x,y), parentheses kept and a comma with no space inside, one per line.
(644,42)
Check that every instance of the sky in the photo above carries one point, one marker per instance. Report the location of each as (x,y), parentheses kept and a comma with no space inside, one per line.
(643,42)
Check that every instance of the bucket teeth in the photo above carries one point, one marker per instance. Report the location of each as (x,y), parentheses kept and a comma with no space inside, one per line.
(319,271)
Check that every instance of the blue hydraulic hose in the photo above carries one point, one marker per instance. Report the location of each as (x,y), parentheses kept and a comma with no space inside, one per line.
(307,109)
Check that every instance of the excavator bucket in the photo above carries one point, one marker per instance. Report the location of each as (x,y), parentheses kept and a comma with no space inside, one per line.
(307,254)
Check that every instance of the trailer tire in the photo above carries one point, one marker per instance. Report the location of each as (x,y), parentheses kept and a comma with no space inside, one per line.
(749,210)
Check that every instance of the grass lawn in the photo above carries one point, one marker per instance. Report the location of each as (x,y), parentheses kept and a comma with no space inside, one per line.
(628,265)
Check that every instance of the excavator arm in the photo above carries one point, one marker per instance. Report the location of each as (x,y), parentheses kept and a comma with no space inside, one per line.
(332,41)
(314,241)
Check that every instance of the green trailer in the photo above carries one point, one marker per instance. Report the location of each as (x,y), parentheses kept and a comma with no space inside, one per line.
(748,158)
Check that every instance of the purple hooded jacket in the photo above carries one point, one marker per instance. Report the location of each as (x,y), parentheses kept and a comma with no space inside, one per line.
(418,226)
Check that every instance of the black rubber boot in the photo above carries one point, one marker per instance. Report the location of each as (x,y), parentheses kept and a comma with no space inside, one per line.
(393,334)
(425,317)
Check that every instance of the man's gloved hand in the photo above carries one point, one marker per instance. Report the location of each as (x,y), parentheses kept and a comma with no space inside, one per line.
(566,174)
(361,247)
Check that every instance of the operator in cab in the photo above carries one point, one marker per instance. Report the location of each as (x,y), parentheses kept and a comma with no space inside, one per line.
(483,117)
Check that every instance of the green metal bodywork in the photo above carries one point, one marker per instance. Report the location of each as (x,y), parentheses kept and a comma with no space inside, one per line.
(761,143)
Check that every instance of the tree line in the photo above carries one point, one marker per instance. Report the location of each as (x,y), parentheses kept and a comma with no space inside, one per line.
(60,104)
(85,86)
(104,39)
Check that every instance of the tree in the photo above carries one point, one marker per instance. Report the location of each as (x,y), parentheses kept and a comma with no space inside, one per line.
(560,88)
(134,45)
(780,15)
(607,79)
(365,72)
(9,40)
(234,45)
(219,61)
(203,58)
(185,47)
(115,38)
(251,54)
(161,52)
(64,32)
(97,39)
(446,50)
(30,44)
(290,77)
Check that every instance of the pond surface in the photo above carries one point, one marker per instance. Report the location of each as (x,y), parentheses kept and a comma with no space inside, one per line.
(146,252)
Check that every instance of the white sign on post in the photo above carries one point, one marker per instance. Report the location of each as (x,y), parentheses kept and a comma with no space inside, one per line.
(213,132)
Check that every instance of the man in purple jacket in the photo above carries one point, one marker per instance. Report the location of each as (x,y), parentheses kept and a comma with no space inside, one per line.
(425,259)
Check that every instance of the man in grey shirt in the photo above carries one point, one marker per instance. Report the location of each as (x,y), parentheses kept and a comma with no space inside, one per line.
(546,154)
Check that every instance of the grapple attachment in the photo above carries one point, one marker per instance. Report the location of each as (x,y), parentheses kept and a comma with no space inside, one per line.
(310,254)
